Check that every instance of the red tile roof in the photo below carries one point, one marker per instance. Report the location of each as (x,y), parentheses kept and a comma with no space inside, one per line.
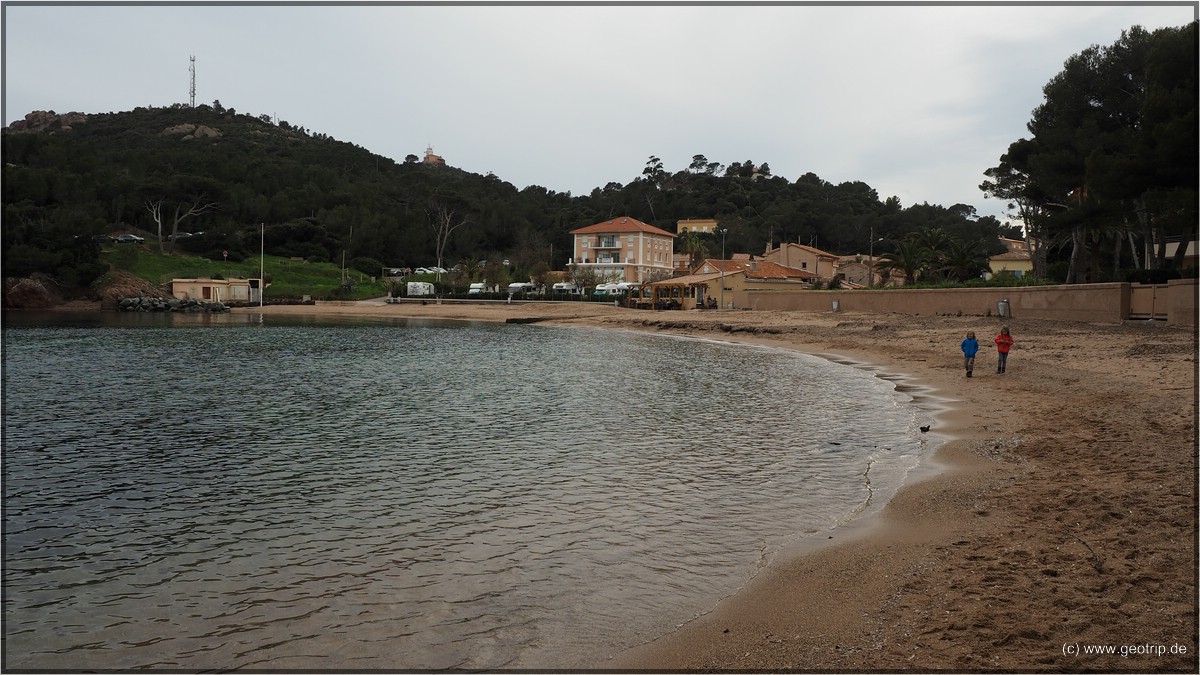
(1017,250)
(717,265)
(622,224)
(766,269)
(758,269)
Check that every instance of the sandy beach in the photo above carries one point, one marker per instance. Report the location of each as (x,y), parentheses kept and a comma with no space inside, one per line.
(1054,530)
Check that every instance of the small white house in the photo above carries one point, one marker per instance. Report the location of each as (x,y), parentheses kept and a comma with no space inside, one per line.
(217,290)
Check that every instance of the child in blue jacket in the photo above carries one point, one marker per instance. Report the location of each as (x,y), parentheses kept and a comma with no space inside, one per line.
(970,348)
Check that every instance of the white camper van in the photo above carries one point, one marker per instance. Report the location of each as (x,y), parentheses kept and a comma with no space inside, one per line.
(567,287)
(419,288)
(521,288)
(604,290)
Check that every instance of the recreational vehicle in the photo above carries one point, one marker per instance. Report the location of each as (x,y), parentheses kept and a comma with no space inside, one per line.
(521,288)
(419,288)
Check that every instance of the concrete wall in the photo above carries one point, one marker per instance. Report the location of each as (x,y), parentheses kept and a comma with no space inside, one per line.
(1105,303)
(1181,302)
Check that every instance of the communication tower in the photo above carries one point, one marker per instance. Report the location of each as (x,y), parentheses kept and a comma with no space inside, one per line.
(192,90)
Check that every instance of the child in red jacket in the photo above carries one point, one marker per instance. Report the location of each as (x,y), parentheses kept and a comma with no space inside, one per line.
(1004,342)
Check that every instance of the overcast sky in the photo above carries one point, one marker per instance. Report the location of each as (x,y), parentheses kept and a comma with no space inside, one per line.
(914,101)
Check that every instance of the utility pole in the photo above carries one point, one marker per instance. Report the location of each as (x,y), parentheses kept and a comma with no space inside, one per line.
(723,231)
(871,259)
(192,90)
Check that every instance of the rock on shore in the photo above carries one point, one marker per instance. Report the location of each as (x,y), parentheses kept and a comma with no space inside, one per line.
(147,304)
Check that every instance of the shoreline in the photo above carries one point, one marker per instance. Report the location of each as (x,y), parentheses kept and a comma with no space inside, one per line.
(1065,514)
(1059,509)
(802,572)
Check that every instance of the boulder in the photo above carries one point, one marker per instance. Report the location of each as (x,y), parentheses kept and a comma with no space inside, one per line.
(43,120)
(26,293)
(159,304)
(188,132)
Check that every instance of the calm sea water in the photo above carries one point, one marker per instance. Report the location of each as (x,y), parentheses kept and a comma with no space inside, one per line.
(237,491)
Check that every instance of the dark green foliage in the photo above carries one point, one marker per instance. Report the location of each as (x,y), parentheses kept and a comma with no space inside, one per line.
(1112,158)
(367,265)
(1151,276)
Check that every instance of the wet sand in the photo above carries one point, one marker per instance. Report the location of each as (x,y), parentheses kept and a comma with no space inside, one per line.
(1061,517)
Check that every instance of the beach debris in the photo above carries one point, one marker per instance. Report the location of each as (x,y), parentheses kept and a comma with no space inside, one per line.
(925,428)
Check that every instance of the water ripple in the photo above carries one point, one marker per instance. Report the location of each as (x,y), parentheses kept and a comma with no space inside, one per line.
(408,495)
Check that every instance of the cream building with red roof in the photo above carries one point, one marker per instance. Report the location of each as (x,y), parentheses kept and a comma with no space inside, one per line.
(718,283)
(624,249)
(814,260)
(1016,260)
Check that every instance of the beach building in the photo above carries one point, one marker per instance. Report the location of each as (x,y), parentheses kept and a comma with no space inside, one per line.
(229,291)
(798,256)
(692,291)
(623,249)
(1015,260)
(859,271)
(714,283)
(757,269)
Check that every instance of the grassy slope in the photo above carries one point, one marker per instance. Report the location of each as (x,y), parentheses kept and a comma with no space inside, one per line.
(288,278)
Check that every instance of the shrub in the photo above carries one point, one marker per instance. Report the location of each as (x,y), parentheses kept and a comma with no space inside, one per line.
(368,266)
(1152,276)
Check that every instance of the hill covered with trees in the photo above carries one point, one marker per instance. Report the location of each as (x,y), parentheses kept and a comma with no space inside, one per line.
(160,171)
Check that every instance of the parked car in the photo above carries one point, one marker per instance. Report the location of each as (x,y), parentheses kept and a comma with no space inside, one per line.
(103,239)
(129,239)
(180,235)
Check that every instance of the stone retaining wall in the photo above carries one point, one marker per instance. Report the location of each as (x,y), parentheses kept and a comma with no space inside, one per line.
(1104,303)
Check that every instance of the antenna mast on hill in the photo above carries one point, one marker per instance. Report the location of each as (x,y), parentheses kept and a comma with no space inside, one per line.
(192,91)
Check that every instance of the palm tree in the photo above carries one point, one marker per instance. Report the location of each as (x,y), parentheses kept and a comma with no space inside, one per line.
(470,268)
(937,245)
(962,261)
(909,257)
(691,244)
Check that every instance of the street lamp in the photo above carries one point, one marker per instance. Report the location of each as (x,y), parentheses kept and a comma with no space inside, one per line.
(871,258)
(723,231)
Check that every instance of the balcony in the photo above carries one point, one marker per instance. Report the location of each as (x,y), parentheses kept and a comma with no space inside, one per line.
(609,242)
